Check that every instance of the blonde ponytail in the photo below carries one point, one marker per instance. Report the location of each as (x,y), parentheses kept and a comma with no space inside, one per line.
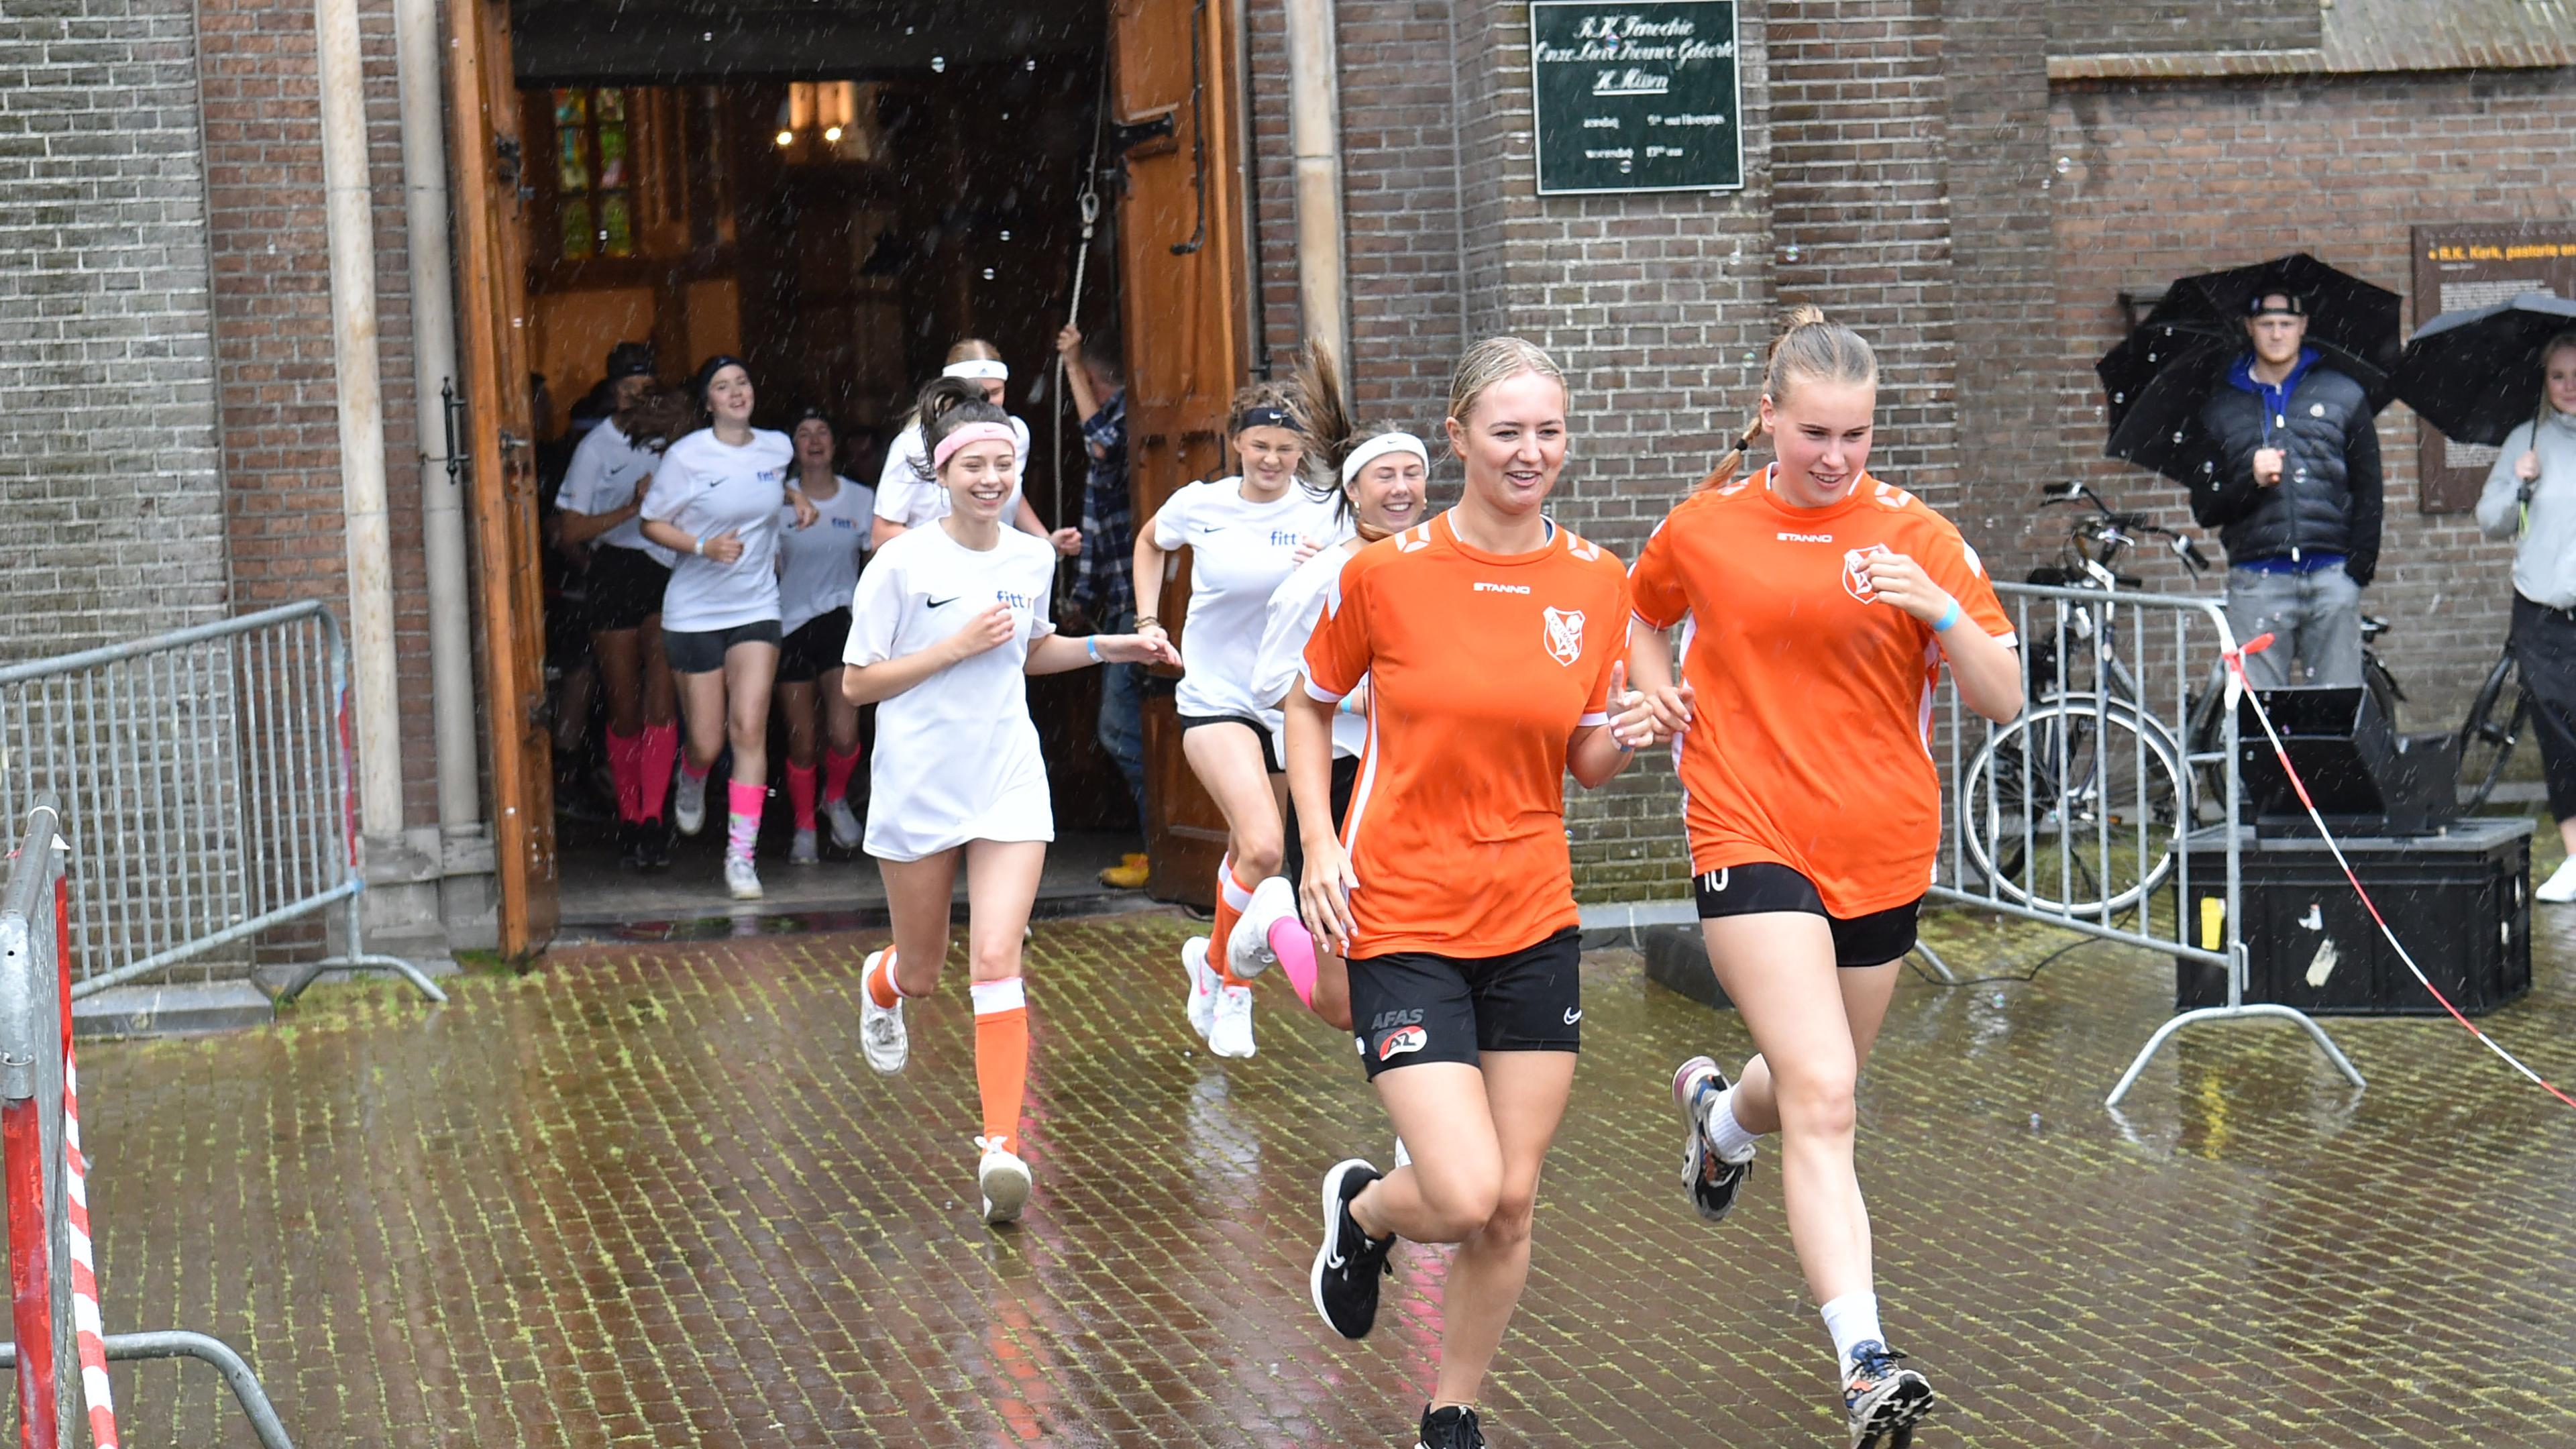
(1809,348)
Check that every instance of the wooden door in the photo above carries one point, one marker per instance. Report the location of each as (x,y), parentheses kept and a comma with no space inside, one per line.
(500,449)
(1186,284)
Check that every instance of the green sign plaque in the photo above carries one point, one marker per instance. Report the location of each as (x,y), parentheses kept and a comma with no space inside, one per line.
(1643,96)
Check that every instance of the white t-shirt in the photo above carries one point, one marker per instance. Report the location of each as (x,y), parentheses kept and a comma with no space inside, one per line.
(705,488)
(601,479)
(904,497)
(957,755)
(818,565)
(1287,624)
(1240,553)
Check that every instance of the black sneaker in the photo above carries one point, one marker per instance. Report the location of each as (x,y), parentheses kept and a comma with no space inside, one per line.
(1451,1428)
(1349,1263)
(653,845)
(1883,1397)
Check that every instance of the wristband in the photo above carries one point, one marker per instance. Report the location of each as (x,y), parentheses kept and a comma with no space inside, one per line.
(1942,625)
(699,546)
(1092,642)
(1347,704)
(1147,621)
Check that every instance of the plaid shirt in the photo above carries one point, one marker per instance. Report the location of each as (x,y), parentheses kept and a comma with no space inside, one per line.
(1103,582)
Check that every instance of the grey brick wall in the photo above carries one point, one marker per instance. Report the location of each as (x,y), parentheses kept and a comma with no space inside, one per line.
(111,500)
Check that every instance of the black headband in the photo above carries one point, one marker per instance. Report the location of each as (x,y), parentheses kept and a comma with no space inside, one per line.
(1264,417)
(707,371)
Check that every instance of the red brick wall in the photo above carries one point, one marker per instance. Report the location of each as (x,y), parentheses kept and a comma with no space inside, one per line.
(2167,179)
(272,303)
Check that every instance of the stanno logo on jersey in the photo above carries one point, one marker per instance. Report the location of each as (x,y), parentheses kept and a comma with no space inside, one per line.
(1564,634)
(1485,588)
(1806,538)
(1856,572)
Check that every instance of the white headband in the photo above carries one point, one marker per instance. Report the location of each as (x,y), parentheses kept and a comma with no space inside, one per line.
(982,369)
(1378,447)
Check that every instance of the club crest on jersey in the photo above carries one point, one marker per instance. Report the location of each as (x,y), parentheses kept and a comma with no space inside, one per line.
(1856,572)
(1564,635)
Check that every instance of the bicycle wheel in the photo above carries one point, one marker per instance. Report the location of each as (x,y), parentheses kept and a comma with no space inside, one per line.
(2488,735)
(2075,807)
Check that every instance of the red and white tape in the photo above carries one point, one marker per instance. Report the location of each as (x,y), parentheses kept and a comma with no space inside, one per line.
(2243,689)
(86,1320)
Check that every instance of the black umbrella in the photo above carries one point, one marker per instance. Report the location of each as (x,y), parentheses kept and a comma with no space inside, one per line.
(2157,379)
(2476,374)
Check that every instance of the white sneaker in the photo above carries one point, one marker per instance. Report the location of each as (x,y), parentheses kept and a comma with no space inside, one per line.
(803,851)
(845,824)
(1248,949)
(2560,888)
(689,803)
(1004,1179)
(742,879)
(1402,1157)
(1203,983)
(1230,1025)
(882,1039)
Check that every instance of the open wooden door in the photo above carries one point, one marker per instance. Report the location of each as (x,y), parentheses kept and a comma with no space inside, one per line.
(499,446)
(1185,277)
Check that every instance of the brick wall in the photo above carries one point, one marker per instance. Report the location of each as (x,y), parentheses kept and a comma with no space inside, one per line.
(110,498)
(2167,179)
(2100,27)
(273,364)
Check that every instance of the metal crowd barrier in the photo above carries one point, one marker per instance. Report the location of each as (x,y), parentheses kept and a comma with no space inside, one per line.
(2077,813)
(58,1347)
(208,771)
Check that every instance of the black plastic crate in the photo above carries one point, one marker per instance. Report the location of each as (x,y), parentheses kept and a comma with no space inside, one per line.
(2460,899)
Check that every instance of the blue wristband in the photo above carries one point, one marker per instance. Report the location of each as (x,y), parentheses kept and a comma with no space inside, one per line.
(1948,619)
(1092,643)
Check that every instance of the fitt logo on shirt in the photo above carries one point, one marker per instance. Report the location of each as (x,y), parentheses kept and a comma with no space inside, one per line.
(1285,538)
(1025,603)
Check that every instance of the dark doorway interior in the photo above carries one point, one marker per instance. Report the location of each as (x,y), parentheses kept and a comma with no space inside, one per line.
(836,194)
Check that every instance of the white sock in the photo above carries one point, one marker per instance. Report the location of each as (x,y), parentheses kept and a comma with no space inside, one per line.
(1852,1319)
(1734,1141)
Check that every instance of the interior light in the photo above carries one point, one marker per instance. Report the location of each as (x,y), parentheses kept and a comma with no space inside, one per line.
(786,139)
(831,133)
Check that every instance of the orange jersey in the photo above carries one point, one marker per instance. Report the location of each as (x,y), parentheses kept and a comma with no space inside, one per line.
(1481,667)
(1809,745)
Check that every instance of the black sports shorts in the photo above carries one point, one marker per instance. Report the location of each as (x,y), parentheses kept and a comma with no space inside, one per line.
(1292,853)
(1766,886)
(1413,1006)
(702,651)
(1260,731)
(814,649)
(625,588)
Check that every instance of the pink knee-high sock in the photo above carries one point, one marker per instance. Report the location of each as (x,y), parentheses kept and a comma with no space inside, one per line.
(659,746)
(744,803)
(800,794)
(1295,947)
(837,768)
(626,767)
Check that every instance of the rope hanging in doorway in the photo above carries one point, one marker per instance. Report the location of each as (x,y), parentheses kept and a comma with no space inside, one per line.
(1089,202)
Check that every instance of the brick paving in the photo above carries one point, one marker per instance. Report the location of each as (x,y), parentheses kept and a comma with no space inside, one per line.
(652,1196)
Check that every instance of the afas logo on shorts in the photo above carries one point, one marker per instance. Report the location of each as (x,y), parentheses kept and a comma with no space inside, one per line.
(1401,1040)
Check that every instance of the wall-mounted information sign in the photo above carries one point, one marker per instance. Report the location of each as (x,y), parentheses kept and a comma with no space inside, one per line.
(1636,97)
(2477,264)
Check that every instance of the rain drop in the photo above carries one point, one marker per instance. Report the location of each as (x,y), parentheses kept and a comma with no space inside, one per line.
(707,39)
(2045,182)
(2119,397)
(907,30)
(2151,357)
(2065,164)
(2177,437)
(939,63)
(988,276)
(1006,236)
(1031,65)
(1791,252)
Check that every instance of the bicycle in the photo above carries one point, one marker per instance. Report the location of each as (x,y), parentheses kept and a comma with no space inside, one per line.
(2098,760)
(2486,738)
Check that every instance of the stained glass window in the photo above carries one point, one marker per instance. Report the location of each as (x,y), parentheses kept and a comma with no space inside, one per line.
(593,181)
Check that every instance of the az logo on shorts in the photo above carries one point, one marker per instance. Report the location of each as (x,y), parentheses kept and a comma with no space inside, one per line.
(1856,572)
(1401,1040)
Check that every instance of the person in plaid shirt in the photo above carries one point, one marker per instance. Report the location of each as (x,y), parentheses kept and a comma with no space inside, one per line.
(1104,587)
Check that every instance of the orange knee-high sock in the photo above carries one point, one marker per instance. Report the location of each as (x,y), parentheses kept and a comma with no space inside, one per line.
(1001,1057)
(1232,896)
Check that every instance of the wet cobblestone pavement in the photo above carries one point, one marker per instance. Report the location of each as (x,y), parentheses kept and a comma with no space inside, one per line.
(652,1196)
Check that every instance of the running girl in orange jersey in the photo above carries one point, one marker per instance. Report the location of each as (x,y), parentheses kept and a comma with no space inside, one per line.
(1821,604)
(948,622)
(1492,642)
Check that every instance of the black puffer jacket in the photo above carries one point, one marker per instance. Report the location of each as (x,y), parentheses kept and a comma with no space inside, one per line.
(2328,499)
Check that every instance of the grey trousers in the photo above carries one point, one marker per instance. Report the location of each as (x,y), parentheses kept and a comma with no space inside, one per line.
(2314,620)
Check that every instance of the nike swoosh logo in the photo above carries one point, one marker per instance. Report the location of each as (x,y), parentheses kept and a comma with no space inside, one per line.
(1573,1016)
(1333,1263)
(944,603)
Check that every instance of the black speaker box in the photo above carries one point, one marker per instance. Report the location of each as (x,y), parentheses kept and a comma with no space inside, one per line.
(2460,900)
(2366,778)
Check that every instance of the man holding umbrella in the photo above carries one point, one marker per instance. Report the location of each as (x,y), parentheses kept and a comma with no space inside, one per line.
(2294,490)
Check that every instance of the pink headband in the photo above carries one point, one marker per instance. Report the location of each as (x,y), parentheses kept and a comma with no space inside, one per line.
(971,433)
